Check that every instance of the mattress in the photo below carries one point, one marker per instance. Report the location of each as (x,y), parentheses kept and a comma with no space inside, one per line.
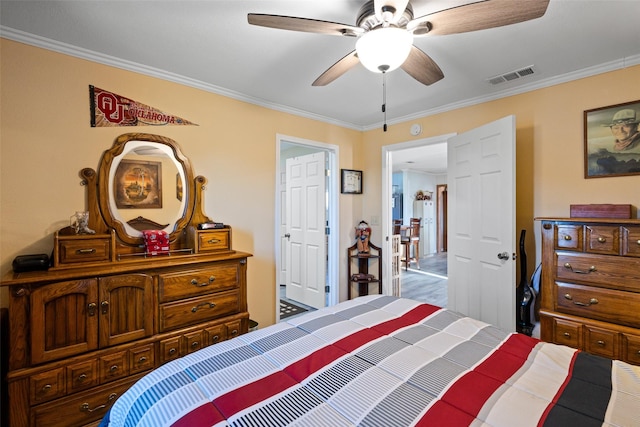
(383,361)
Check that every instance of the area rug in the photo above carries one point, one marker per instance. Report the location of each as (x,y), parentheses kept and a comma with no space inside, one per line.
(287,309)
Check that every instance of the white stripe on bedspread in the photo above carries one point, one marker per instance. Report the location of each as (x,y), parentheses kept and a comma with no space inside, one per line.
(623,408)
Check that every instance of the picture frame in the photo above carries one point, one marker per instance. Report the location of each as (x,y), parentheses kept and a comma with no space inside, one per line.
(138,184)
(612,140)
(351,181)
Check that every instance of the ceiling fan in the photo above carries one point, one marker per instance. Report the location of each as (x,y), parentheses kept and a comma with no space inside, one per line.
(385,31)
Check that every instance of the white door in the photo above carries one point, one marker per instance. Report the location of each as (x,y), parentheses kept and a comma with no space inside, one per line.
(305,248)
(282,275)
(481,220)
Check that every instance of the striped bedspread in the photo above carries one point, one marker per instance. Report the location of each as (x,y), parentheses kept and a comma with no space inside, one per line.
(383,361)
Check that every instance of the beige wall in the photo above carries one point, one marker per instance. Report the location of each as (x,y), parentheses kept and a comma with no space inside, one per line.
(46,139)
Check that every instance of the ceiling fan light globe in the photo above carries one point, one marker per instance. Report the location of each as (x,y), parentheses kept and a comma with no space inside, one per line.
(384,49)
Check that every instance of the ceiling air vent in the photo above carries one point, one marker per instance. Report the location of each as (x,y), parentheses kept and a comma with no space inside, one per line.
(512,75)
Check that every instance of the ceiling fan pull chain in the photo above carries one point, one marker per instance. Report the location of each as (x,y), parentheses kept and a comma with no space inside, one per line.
(384,99)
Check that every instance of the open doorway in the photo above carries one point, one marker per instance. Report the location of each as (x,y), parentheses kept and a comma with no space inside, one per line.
(416,182)
(288,148)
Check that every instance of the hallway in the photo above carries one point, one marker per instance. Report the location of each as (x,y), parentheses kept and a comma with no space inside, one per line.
(429,283)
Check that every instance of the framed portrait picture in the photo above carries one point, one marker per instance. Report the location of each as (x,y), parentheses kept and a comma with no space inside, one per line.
(612,140)
(138,184)
(351,182)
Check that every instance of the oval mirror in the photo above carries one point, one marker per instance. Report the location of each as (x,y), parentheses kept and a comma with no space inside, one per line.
(145,182)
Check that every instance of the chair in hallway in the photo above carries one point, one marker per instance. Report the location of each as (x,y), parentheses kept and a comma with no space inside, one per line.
(410,239)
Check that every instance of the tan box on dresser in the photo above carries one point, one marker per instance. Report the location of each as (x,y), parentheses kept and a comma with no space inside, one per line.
(590,291)
(112,307)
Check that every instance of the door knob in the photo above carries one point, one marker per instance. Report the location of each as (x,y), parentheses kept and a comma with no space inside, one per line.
(503,256)
(288,236)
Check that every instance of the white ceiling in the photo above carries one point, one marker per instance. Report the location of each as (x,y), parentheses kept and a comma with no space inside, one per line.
(210,45)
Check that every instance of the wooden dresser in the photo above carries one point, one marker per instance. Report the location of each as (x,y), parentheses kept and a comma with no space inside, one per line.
(590,291)
(113,306)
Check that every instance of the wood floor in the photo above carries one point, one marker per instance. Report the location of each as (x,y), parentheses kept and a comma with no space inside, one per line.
(429,283)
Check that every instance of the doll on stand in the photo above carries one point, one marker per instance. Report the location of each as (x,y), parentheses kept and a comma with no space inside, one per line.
(363,232)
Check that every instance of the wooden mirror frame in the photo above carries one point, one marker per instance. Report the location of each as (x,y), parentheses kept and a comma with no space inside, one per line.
(105,187)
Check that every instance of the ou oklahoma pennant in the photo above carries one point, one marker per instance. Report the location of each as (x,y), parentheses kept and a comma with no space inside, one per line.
(109,109)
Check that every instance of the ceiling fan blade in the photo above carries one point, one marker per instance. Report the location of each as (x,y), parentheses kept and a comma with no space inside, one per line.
(421,67)
(478,16)
(304,24)
(399,7)
(337,69)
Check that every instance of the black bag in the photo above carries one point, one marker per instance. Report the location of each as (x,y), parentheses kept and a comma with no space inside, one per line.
(37,262)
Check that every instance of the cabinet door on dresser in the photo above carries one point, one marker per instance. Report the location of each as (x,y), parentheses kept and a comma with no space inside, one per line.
(126,308)
(63,320)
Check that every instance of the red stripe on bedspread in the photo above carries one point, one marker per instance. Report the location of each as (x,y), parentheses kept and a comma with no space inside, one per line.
(314,362)
(471,391)
(206,415)
(411,317)
(252,393)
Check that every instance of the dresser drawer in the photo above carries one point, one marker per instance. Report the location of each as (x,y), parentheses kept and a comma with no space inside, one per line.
(568,237)
(47,385)
(605,271)
(81,376)
(596,303)
(567,333)
(631,241)
(196,310)
(81,409)
(141,358)
(84,250)
(187,284)
(602,239)
(602,342)
(214,240)
(169,349)
(631,348)
(114,366)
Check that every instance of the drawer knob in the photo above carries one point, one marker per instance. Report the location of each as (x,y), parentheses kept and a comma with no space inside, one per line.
(195,282)
(172,350)
(601,239)
(215,338)
(234,332)
(567,237)
(569,267)
(82,378)
(113,368)
(212,241)
(142,359)
(638,242)
(202,304)
(195,344)
(601,343)
(46,388)
(567,334)
(85,406)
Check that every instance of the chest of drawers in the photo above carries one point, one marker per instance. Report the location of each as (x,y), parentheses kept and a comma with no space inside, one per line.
(590,289)
(79,337)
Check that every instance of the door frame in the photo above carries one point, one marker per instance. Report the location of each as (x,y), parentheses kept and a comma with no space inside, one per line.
(332,261)
(387,181)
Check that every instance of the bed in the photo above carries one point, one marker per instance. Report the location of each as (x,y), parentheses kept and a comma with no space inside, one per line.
(383,361)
